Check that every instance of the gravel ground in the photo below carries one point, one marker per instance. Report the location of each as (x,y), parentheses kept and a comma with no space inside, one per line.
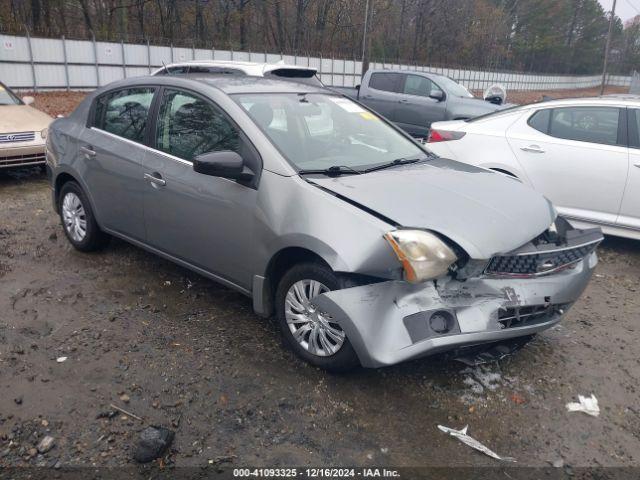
(180,351)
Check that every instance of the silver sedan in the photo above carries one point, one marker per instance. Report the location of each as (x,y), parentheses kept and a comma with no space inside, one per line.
(367,248)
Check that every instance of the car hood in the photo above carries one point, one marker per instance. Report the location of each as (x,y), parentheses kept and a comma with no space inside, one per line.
(484,212)
(22,118)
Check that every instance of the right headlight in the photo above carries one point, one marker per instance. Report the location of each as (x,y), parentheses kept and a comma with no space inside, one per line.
(422,254)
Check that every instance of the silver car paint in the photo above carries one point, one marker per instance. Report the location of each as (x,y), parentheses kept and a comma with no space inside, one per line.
(231,233)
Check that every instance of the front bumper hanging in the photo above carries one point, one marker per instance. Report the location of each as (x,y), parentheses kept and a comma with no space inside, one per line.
(393,321)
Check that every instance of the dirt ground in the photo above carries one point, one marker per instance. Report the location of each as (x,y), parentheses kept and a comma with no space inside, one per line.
(178,350)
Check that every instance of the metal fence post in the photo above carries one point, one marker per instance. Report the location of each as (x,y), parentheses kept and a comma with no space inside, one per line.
(66,63)
(148,56)
(95,58)
(171,46)
(33,67)
(124,63)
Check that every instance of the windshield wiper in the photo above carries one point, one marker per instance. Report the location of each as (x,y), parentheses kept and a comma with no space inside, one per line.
(333,171)
(394,163)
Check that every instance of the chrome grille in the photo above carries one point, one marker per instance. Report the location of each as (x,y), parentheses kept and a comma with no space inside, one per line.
(538,263)
(17,137)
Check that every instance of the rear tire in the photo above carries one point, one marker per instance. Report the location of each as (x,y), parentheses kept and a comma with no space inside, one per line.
(78,222)
(310,333)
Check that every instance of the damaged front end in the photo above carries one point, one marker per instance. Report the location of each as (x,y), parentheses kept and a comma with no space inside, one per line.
(478,301)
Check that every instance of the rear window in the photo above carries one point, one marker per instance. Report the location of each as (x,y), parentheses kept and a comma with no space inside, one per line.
(307,77)
(495,114)
(387,82)
(191,69)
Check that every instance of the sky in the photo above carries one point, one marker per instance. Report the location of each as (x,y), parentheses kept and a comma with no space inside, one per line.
(625,9)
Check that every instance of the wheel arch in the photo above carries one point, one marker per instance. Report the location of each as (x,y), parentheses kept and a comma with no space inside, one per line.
(264,287)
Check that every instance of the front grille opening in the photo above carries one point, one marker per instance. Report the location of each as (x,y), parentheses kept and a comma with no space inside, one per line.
(537,263)
(528,315)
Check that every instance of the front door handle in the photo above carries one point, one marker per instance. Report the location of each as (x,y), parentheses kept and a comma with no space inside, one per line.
(532,149)
(155,179)
(88,152)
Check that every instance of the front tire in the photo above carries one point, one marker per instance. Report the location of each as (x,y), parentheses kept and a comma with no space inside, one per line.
(312,334)
(78,222)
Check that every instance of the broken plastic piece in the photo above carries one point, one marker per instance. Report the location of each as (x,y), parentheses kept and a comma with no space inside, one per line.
(473,443)
(588,405)
(154,441)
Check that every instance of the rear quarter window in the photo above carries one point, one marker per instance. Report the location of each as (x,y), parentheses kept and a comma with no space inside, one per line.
(540,120)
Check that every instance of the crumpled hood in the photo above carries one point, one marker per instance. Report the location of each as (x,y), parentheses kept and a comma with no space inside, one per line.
(22,118)
(484,212)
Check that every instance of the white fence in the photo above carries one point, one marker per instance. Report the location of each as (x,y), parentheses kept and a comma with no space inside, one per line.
(49,63)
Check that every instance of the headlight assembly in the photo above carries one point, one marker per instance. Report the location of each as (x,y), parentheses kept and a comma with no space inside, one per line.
(422,254)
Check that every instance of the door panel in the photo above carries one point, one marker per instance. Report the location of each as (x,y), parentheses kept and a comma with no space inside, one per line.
(630,209)
(204,220)
(113,154)
(381,93)
(584,179)
(416,111)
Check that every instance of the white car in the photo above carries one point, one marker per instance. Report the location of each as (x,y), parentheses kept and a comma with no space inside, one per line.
(280,70)
(583,154)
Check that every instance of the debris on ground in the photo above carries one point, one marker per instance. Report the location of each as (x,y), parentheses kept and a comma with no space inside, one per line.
(481,355)
(46,444)
(588,405)
(61,359)
(153,443)
(472,442)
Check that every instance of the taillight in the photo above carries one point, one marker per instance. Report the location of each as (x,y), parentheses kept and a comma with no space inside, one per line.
(444,136)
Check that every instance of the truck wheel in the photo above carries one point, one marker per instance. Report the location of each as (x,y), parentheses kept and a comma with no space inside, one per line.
(78,222)
(309,332)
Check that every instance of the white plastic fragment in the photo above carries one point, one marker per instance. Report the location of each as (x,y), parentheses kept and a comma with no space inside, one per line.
(588,405)
(61,359)
(472,442)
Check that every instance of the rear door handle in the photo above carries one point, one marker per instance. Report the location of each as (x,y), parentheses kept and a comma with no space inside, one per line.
(156,180)
(532,149)
(403,101)
(88,152)
(636,165)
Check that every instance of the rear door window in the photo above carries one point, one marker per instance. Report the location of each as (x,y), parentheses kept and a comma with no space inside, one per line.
(387,82)
(586,124)
(125,112)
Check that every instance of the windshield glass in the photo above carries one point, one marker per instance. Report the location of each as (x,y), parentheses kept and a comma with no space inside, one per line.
(318,131)
(453,88)
(7,97)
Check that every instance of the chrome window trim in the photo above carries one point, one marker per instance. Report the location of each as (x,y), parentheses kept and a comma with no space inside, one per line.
(143,146)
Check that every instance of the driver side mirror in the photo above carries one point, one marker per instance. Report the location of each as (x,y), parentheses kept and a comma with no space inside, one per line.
(437,95)
(28,100)
(225,164)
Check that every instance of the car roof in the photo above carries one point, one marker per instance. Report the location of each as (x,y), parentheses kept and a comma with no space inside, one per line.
(604,100)
(229,84)
(250,68)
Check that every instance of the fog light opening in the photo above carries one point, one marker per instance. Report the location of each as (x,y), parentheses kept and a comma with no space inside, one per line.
(441,322)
